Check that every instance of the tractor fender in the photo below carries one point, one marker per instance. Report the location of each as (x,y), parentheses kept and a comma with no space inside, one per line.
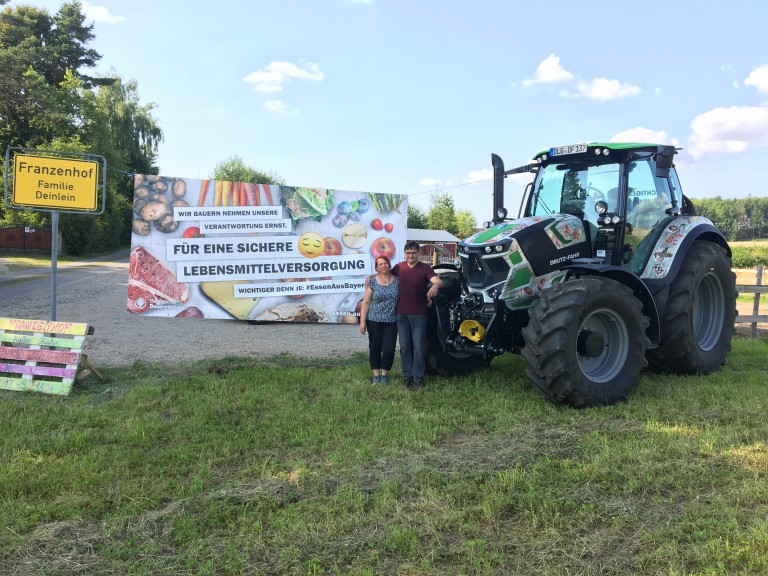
(672,246)
(638,287)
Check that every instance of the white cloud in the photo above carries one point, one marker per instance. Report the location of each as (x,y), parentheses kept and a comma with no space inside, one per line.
(732,129)
(477,176)
(276,74)
(100,14)
(640,134)
(549,71)
(278,107)
(431,182)
(759,79)
(605,89)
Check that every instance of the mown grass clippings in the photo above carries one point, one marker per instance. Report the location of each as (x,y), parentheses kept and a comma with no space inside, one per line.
(290,466)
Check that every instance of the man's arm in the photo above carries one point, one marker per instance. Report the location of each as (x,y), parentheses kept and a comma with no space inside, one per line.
(436,285)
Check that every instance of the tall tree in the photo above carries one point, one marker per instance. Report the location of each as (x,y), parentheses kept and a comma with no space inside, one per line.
(48,102)
(442,213)
(41,54)
(126,125)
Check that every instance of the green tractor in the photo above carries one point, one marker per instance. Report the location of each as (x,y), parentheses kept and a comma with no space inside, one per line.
(606,270)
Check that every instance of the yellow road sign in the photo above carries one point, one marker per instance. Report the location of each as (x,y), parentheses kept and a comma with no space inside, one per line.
(55,183)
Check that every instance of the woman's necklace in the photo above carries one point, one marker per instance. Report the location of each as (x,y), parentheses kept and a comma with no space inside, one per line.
(384,281)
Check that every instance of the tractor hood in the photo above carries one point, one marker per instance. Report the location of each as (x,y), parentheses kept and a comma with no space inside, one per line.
(520,257)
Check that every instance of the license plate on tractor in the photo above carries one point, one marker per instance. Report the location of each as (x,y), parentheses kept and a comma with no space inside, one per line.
(569,149)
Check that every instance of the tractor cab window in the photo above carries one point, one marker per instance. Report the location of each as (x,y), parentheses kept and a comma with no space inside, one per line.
(648,203)
(649,197)
(574,189)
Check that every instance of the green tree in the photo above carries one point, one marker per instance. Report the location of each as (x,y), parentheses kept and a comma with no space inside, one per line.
(465,223)
(442,213)
(235,170)
(48,102)
(125,130)
(416,218)
(723,213)
(40,58)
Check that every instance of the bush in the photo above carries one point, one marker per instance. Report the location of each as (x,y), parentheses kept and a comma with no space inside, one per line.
(749,255)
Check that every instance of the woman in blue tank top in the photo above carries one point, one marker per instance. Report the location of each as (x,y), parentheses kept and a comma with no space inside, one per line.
(377,316)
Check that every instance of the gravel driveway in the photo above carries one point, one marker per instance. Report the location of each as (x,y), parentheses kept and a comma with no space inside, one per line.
(120,338)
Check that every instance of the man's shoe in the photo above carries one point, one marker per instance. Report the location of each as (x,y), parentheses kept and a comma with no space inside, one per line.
(408,381)
(419,383)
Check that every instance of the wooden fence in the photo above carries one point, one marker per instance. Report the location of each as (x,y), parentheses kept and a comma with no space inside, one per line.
(757,289)
(24,239)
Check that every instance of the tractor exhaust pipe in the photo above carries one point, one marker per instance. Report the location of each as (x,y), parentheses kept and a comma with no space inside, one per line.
(498,185)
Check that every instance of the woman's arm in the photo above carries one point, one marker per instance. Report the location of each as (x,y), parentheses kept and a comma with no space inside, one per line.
(364,308)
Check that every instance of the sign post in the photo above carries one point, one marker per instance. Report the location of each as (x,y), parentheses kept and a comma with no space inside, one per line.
(50,181)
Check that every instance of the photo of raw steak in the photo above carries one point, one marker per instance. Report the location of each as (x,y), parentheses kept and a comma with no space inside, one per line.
(152,282)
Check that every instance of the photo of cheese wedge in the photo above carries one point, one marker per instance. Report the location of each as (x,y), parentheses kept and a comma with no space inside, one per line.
(223,293)
(354,235)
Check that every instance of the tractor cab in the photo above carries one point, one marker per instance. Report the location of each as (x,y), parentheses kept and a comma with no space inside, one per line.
(622,193)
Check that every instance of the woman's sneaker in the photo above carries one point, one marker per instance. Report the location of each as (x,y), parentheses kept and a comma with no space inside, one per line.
(376,380)
(384,380)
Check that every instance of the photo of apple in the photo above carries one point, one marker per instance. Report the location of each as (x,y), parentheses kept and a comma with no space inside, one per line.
(389,226)
(383,247)
(295,296)
(377,224)
(332,246)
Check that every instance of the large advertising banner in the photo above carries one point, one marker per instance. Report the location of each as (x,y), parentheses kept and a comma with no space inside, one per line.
(244,251)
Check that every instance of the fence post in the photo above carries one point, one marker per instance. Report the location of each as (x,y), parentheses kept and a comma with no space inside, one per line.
(756,304)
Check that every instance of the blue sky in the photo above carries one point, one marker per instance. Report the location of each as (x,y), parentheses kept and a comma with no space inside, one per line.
(413,96)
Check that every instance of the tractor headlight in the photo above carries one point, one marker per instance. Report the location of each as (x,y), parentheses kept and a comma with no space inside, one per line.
(501,213)
(601,207)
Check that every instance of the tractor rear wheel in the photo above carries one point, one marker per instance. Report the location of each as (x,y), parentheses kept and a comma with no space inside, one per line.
(697,325)
(586,342)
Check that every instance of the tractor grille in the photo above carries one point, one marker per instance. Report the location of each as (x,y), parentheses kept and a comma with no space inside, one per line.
(481,272)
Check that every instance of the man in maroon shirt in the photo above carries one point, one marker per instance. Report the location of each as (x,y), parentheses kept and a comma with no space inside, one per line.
(418,284)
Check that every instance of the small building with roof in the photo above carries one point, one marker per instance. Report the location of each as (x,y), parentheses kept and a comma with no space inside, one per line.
(437,246)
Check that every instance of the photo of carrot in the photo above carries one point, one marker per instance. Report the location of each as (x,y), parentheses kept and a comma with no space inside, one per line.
(226,193)
(267,194)
(252,192)
(243,196)
(218,192)
(203,190)
(235,193)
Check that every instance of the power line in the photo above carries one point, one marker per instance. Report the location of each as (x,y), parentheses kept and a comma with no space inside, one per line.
(449,187)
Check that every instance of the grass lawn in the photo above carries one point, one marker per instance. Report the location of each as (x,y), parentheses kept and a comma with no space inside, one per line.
(300,467)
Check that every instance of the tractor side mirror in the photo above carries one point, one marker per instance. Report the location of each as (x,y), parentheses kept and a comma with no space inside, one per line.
(665,156)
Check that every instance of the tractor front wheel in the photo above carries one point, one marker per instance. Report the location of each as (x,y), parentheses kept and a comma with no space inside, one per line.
(698,321)
(585,342)
(447,362)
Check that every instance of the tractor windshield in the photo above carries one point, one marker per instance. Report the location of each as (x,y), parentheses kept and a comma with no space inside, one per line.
(574,188)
